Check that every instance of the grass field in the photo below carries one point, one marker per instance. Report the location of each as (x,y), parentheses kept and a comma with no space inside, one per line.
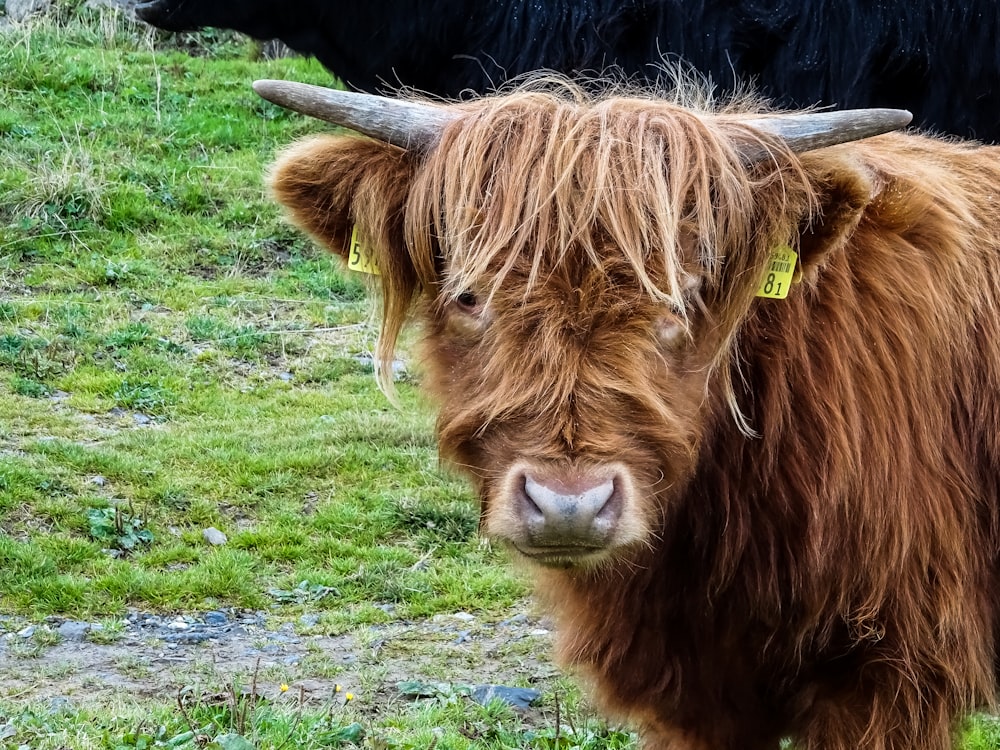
(173,358)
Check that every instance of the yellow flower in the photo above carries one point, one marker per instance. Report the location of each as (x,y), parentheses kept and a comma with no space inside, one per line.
(349,696)
(283,688)
(337,688)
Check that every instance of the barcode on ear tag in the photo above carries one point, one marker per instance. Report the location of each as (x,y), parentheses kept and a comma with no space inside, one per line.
(779,273)
(359,258)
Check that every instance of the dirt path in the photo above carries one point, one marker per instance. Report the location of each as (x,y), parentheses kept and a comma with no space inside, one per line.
(156,656)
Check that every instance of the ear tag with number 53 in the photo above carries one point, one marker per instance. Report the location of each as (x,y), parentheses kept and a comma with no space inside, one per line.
(779,273)
(359,258)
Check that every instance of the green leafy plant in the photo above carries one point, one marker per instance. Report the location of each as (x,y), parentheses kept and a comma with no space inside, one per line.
(118,529)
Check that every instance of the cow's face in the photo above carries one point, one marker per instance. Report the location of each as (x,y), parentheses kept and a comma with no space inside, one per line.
(575,401)
(581,279)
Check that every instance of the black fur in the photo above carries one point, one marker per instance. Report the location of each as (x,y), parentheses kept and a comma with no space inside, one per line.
(938,58)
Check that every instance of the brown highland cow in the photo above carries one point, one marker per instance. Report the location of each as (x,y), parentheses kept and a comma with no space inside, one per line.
(752,518)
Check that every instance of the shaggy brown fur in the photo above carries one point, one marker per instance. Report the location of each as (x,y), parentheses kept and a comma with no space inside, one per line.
(808,488)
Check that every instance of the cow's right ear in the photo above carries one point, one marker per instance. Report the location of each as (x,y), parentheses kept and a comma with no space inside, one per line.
(331,184)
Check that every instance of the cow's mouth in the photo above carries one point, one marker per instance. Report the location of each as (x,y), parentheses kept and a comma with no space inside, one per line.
(561,557)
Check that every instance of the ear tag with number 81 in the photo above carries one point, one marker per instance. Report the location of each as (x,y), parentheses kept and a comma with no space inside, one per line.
(779,273)
(359,258)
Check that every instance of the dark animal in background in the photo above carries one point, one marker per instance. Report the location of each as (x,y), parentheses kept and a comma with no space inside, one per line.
(938,58)
(752,518)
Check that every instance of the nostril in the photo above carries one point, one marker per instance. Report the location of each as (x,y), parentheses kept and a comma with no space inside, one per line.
(530,506)
(611,508)
(560,512)
(578,502)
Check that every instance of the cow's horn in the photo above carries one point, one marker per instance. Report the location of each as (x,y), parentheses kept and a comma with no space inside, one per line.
(811,130)
(409,125)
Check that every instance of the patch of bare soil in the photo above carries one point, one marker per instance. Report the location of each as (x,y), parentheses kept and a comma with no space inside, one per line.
(154,656)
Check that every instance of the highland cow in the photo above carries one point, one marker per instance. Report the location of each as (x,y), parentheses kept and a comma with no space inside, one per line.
(752,517)
(938,58)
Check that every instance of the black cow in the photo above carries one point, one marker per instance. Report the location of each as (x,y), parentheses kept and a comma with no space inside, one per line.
(938,58)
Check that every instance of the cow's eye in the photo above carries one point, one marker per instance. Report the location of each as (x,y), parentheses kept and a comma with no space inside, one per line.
(468,302)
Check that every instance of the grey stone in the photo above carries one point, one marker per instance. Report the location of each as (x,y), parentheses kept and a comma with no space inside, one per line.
(513,696)
(20,10)
(72,630)
(188,638)
(309,621)
(27,632)
(515,620)
(60,704)
(214,537)
(216,619)
(115,4)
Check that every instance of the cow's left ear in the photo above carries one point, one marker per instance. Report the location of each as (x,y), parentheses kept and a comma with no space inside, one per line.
(843,189)
(331,185)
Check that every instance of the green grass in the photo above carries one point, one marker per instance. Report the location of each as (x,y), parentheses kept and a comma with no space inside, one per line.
(163,330)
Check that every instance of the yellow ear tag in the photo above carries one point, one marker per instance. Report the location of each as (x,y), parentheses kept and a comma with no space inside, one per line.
(359,258)
(779,273)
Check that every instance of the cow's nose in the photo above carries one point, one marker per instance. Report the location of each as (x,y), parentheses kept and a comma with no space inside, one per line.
(569,511)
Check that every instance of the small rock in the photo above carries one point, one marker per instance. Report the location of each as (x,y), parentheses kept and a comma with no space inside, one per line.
(513,696)
(178,624)
(309,621)
(186,638)
(115,5)
(216,619)
(26,632)
(539,632)
(141,419)
(464,616)
(20,10)
(515,620)
(60,705)
(214,537)
(72,630)
(98,480)
(366,360)
(7,731)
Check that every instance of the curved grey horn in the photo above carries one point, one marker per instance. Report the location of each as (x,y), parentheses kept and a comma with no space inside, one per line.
(409,125)
(811,130)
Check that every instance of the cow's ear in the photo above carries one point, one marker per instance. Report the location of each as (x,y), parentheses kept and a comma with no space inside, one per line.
(843,191)
(341,187)
(331,185)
